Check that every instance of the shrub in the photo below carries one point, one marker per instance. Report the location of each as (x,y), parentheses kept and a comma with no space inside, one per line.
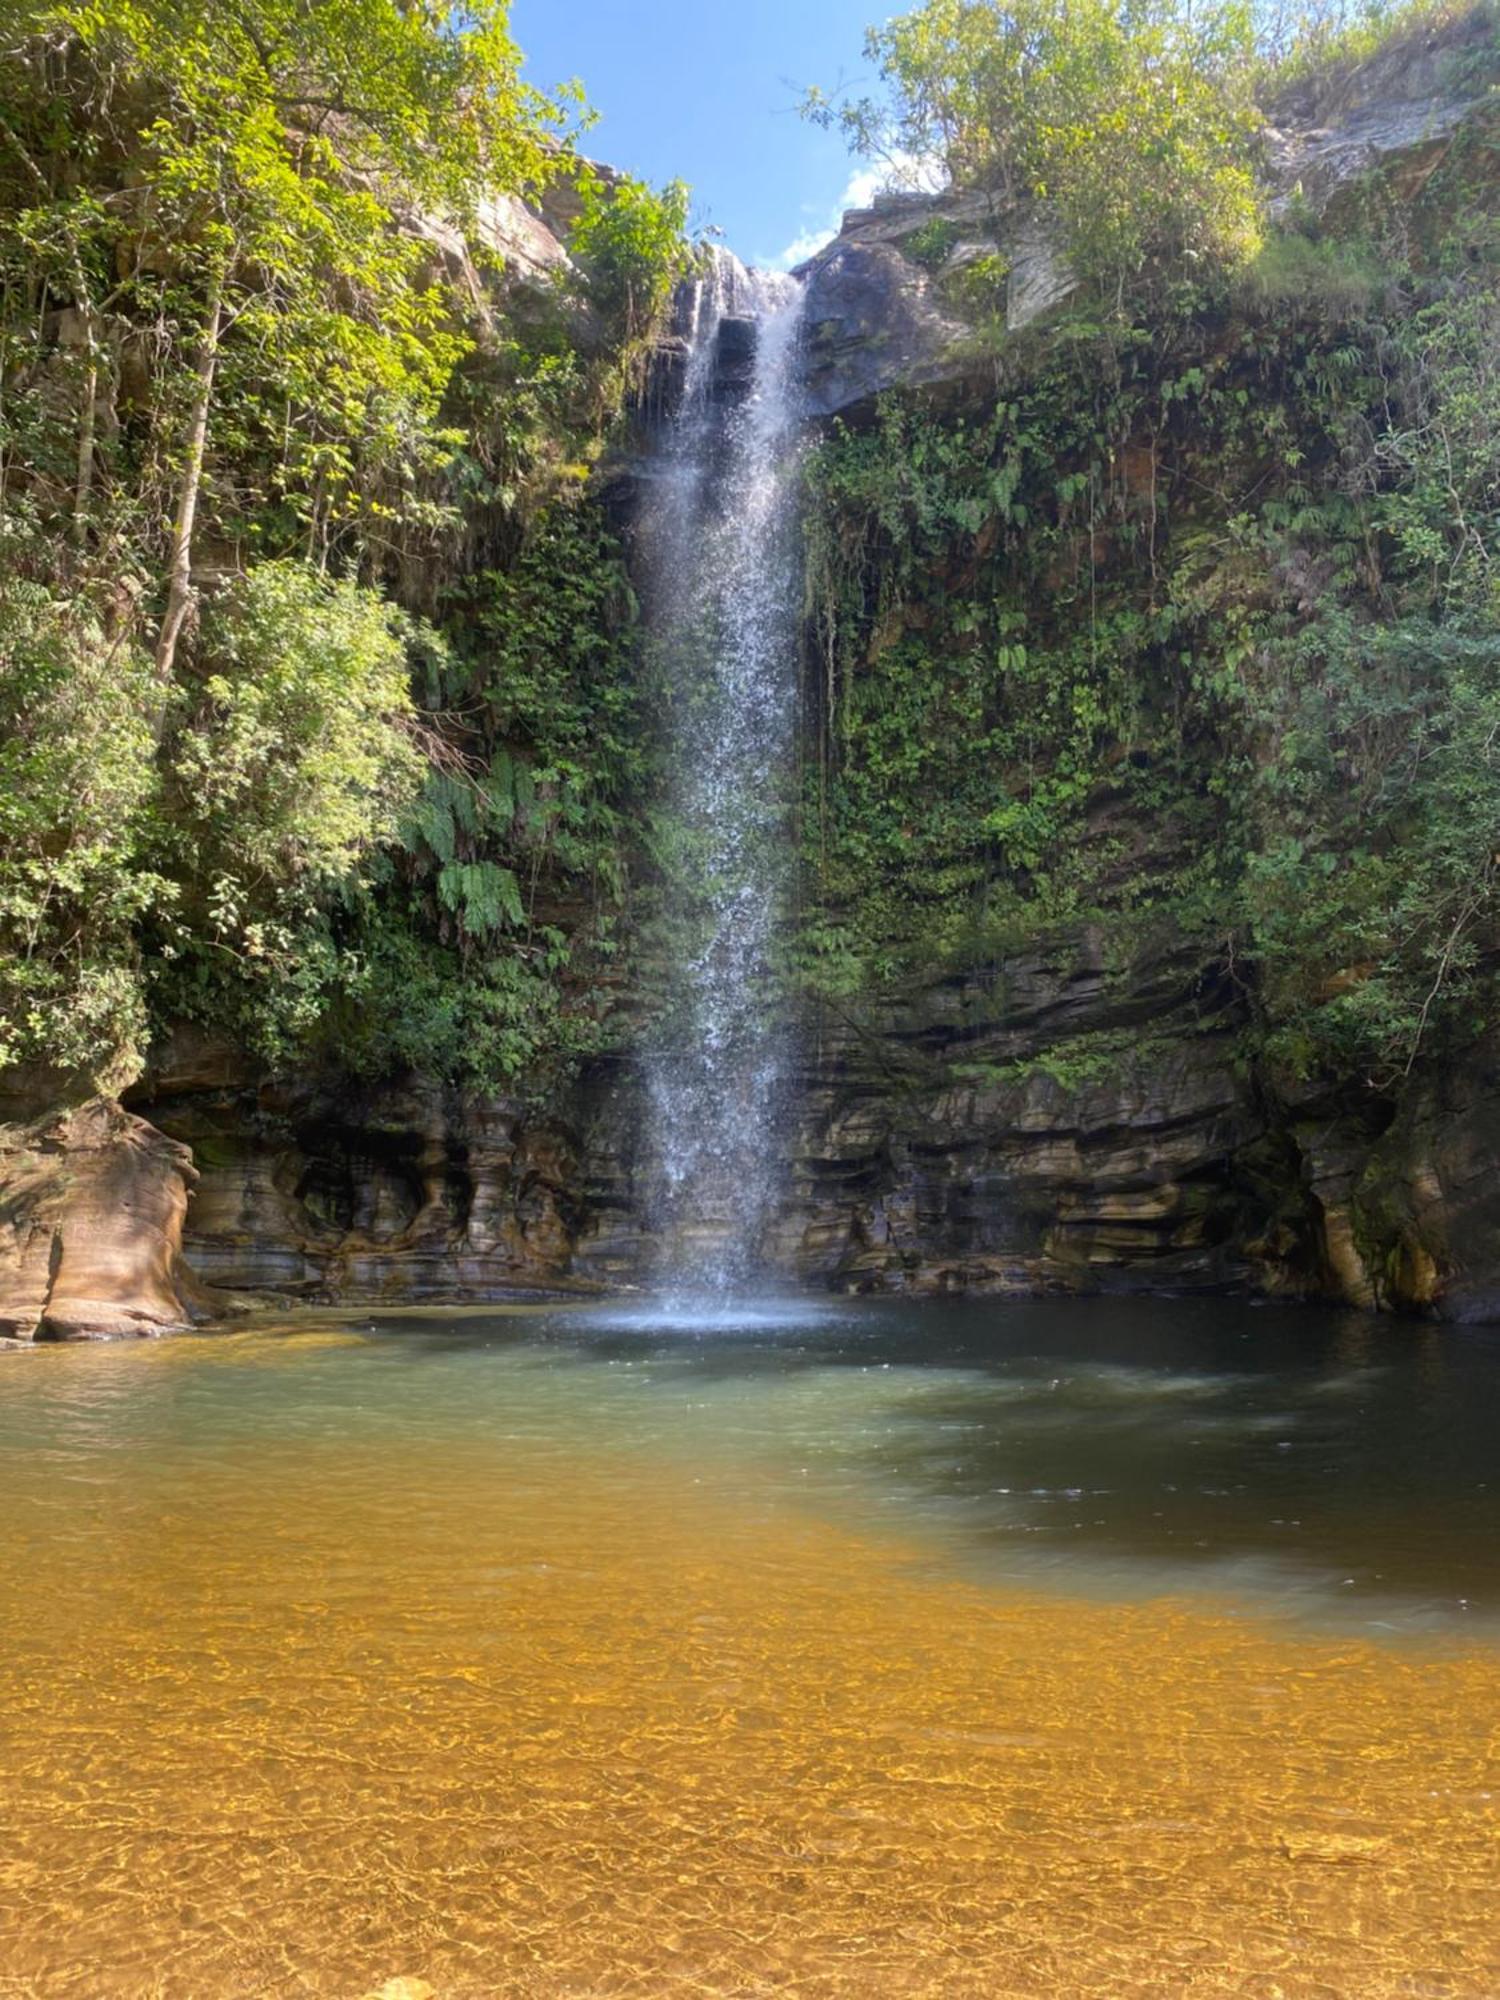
(287,767)
(77,793)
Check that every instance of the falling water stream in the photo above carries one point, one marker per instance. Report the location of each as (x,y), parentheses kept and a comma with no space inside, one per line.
(722,555)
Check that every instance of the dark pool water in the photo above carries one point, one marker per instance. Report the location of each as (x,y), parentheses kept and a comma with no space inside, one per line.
(1327,1464)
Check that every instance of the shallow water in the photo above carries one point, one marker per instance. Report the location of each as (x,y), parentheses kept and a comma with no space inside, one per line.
(1047,1649)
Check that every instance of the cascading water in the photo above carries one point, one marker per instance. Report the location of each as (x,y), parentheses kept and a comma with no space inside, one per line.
(724,591)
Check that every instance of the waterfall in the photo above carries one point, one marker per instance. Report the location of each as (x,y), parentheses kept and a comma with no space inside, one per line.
(723,608)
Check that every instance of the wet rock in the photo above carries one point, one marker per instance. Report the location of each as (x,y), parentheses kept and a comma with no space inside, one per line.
(1058,1125)
(1425,1203)
(1341,1850)
(403,1191)
(1025,1181)
(930,1148)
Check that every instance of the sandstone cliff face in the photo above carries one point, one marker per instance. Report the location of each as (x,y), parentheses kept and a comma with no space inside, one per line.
(931,1151)
(92,1204)
(1421,1205)
(403,1192)
(1059,1124)
(1065,1125)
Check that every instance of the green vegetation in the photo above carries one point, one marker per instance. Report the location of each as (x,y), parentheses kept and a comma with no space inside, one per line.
(283,770)
(1297,39)
(77,782)
(324,717)
(491,950)
(269,409)
(1136,126)
(1193,629)
(1133,123)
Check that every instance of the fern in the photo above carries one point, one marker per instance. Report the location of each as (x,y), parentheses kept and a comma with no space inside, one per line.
(483,896)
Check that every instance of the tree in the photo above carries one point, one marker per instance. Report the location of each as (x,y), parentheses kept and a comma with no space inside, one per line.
(1134,121)
(77,800)
(283,145)
(630,239)
(286,766)
(255,383)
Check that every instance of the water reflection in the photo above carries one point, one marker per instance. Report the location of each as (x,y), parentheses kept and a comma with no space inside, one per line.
(1343,1466)
(1330,1464)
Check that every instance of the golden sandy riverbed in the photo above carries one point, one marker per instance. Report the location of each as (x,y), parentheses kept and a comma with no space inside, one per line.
(299,1715)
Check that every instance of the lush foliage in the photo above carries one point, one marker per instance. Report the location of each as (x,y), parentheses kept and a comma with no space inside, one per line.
(630,239)
(1299,38)
(1134,122)
(262,385)
(77,792)
(1194,631)
(494,942)
(286,765)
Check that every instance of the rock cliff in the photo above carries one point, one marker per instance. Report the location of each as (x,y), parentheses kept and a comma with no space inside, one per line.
(406,1191)
(876,310)
(1065,1119)
(943,1144)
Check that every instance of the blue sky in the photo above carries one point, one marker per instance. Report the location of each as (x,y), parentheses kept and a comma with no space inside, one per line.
(707,91)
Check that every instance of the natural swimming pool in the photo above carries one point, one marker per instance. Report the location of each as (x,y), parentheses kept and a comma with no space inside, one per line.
(824,1648)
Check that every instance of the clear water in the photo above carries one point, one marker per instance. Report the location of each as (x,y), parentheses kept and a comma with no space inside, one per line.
(722,608)
(801,1647)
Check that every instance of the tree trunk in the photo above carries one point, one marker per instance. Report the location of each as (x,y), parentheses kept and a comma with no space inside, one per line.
(180,573)
(84,485)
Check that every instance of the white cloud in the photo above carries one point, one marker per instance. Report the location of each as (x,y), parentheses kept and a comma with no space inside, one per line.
(860,190)
(802,247)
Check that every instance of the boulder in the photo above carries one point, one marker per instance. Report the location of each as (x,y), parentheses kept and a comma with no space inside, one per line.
(874,320)
(92,1203)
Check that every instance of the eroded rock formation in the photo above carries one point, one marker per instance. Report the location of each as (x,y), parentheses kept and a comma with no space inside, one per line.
(408,1191)
(1058,1124)
(92,1204)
